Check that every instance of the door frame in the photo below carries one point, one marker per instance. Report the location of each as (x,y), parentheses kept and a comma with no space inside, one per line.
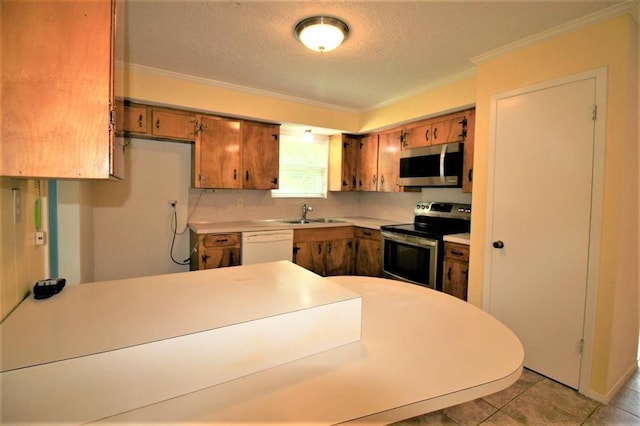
(597,189)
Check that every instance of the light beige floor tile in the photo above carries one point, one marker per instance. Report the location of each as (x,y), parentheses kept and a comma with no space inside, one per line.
(606,415)
(532,409)
(437,418)
(501,419)
(470,413)
(634,382)
(628,400)
(563,398)
(502,398)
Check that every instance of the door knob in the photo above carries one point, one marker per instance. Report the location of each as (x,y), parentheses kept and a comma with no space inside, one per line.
(498,244)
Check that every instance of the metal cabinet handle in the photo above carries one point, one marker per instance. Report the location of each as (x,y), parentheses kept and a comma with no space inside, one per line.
(140,123)
(426,135)
(158,123)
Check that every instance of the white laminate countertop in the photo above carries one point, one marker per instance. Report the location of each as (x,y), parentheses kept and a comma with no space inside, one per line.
(275,224)
(463,238)
(421,350)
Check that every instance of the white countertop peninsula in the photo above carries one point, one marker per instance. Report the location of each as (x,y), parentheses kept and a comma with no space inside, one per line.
(276,224)
(419,350)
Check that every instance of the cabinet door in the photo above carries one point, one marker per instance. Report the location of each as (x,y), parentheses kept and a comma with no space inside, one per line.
(467,171)
(389,161)
(339,257)
(417,136)
(456,277)
(309,255)
(367,257)
(367,252)
(350,154)
(57,89)
(217,153)
(367,166)
(451,129)
(174,125)
(260,155)
(220,257)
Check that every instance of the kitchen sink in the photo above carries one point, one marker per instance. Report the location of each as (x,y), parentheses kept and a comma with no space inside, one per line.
(325,220)
(295,221)
(308,221)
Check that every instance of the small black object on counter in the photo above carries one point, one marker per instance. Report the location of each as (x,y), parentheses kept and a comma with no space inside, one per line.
(47,288)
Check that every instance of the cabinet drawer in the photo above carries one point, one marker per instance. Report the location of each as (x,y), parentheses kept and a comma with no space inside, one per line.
(173,125)
(323,234)
(221,240)
(366,233)
(456,251)
(135,119)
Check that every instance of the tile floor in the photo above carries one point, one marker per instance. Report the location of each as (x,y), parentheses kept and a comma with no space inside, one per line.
(537,400)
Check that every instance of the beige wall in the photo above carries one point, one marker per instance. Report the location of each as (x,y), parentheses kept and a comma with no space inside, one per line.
(611,44)
(22,263)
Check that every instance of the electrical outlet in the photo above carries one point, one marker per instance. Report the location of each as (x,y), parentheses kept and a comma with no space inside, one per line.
(41,238)
(173,203)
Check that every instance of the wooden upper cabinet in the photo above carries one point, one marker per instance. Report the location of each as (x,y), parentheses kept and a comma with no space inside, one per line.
(343,159)
(453,128)
(173,125)
(236,154)
(260,155)
(389,146)
(57,89)
(367,165)
(417,135)
(217,153)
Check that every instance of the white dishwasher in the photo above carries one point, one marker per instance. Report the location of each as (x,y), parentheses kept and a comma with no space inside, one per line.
(266,246)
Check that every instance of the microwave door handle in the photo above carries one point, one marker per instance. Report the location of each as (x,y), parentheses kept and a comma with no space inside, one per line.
(443,153)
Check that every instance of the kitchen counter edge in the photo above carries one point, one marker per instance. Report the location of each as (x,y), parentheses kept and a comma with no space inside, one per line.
(278,224)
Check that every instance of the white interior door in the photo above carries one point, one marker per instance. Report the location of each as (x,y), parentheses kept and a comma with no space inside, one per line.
(540,210)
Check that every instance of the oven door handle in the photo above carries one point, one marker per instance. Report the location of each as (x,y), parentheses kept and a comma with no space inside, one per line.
(443,154)
(410,240)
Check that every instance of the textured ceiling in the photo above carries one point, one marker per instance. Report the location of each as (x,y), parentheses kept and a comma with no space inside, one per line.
(395,48)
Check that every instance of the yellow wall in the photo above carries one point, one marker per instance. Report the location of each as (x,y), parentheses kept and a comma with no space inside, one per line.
(22,263)
(157,88)
(454,95)
(607,44)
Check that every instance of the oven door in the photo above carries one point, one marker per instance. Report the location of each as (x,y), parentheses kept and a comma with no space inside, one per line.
(409,258)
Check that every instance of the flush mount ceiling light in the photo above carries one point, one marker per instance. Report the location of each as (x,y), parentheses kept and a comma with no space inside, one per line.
(321,33)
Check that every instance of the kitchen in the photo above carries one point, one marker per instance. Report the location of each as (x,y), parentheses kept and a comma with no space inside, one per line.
(618,295)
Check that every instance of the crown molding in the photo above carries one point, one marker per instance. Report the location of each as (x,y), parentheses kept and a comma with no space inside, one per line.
(471,72)
(630,7)
(232,87)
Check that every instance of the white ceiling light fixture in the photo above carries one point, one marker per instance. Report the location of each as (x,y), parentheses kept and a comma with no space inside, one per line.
(321,33)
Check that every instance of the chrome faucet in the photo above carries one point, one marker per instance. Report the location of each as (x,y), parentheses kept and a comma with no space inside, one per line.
(306,209)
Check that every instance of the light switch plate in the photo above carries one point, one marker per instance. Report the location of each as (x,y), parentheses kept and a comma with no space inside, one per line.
(17,205)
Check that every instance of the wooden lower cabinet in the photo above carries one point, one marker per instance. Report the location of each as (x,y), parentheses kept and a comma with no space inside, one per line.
(325,251)
(215,250)
(367,259)
(456,270)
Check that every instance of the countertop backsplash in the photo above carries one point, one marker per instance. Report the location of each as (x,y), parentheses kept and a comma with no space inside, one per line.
(223,205)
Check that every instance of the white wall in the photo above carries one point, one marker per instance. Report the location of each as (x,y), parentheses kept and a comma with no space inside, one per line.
(132,218)
(75,230)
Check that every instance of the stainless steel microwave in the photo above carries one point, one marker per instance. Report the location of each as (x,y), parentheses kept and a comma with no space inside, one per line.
(435,165)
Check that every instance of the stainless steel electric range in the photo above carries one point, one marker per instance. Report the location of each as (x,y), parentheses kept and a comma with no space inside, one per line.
(414,252)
